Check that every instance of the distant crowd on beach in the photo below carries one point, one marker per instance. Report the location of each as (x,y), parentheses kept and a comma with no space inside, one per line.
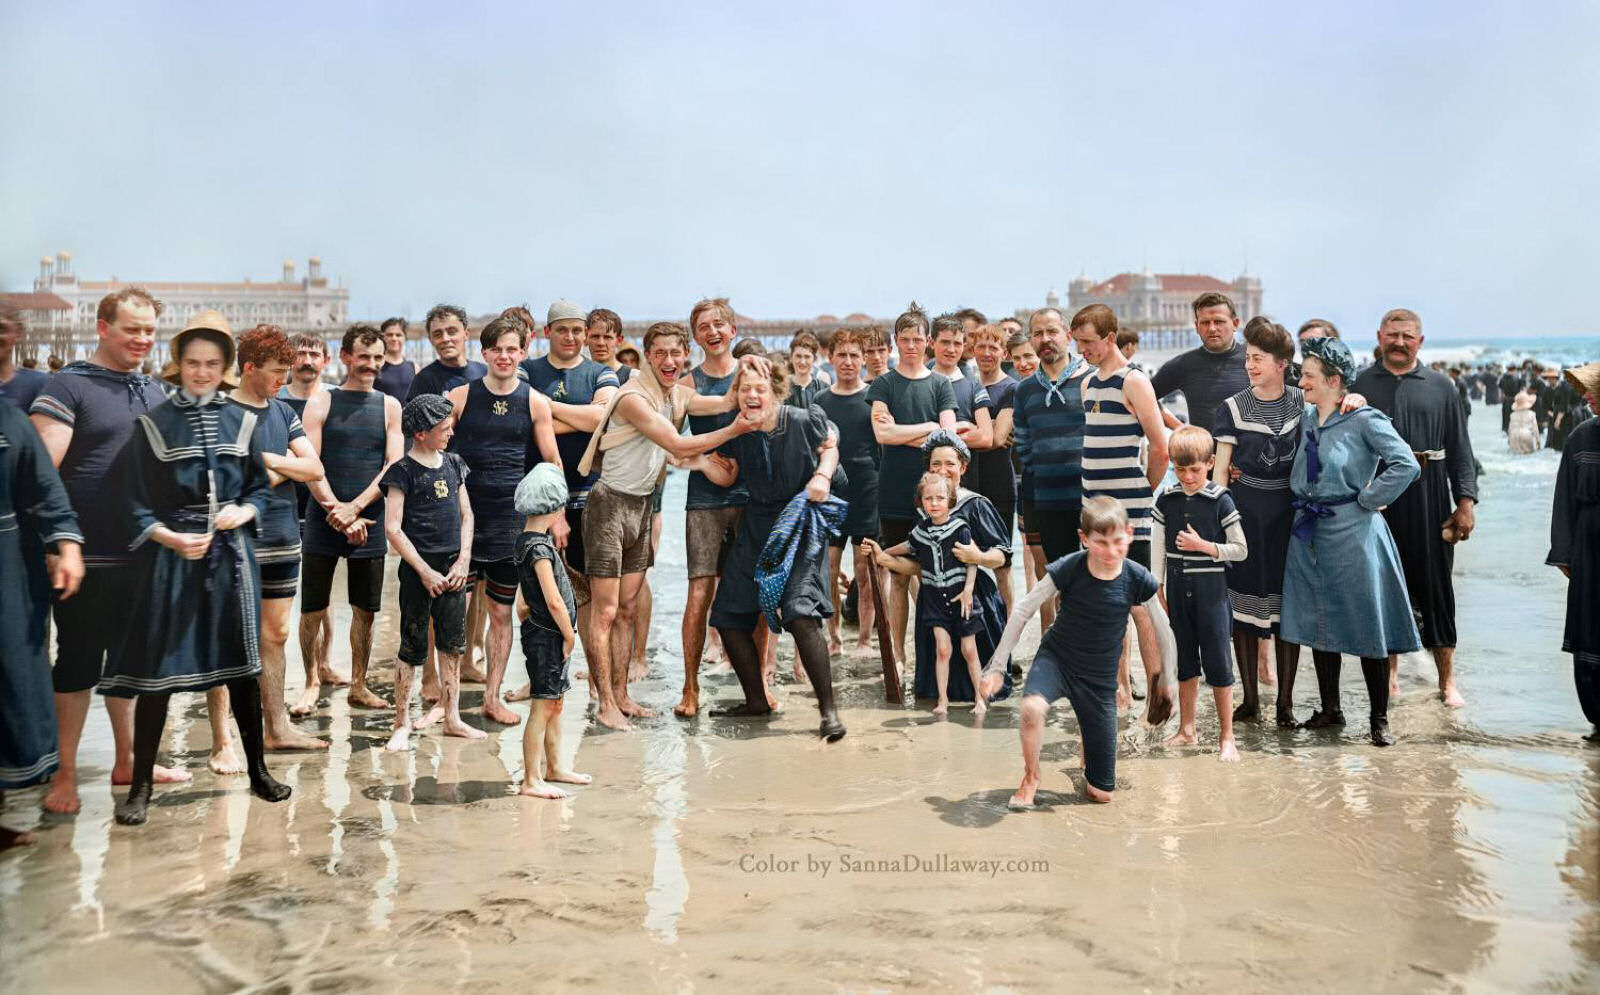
(166,521)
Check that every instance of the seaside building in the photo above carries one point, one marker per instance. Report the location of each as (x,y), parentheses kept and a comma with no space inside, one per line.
(308,304)
(1158,305)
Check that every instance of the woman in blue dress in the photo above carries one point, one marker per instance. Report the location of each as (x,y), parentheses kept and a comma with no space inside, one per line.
(1343,588)
(990,550)
(36,519)
(791,450)
(196,489)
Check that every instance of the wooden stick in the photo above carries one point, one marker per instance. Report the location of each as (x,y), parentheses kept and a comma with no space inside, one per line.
(892,690)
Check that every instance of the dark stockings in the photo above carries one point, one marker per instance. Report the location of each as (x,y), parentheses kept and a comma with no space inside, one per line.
(1246,646)
(1376,674)
(812,645)
(150,720)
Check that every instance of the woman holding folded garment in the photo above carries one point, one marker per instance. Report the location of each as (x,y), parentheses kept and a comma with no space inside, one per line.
(1344,591)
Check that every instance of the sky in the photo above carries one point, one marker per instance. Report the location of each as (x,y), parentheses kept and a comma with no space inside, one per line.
(818,157)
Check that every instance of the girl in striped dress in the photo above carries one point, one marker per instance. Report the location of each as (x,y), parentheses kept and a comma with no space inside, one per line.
(1120,412)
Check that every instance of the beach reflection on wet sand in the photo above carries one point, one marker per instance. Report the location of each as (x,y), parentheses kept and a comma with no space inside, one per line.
(714,854)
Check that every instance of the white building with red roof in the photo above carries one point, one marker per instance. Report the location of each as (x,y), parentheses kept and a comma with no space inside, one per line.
(310,303)
(1160,305)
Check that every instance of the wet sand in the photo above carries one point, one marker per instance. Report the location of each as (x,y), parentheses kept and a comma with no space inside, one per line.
(717,854)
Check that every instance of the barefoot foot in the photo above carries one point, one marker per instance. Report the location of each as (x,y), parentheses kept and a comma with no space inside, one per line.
(569,777)
(458,728)
(633,710)
(942,709)
(638,670)
(1124,699)
(472,673)
(307,702)
(332,678)
(539,789)
(524,693)
(293,739)
(225,762)
(1229,753)
(1451,697)
(162,775)
(62,798)
(494,711)
(12,837)
(401,740)
(432,715)
(1181,738)
(863,650)
(362,697)
(1023,799)
(612,718)
(688,706)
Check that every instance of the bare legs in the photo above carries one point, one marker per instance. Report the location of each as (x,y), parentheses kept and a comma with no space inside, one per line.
(499,654)
(899,608)
(541,753)
(695,611)
(941,671)
(223,760)
(360,696)
(1188,702)
(1444,657)
(605,594)
(72,712)
(316,641)
(478,606)
(1034,709)
(279,731)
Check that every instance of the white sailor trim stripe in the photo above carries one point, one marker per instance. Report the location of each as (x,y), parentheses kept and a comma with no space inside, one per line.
(44,765)
(180,682)
(63,537)
(167,454)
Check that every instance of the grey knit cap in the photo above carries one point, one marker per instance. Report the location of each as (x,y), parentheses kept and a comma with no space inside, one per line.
(563,309)
(542,491)
(941,437)
(423,412)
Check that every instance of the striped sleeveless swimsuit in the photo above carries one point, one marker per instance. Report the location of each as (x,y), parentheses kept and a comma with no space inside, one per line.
(1111,439)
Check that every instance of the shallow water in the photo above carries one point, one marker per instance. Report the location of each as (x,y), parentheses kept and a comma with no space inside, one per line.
(715,854)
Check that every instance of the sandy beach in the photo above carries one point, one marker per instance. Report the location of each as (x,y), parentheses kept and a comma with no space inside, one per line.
(712,855)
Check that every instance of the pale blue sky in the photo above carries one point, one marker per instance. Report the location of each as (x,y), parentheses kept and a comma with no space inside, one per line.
(817,157)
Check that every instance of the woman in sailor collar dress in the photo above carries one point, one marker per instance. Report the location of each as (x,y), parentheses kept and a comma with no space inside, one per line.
(196,489)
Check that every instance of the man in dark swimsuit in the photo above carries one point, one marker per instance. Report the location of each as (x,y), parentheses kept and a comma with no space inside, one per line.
(398,371)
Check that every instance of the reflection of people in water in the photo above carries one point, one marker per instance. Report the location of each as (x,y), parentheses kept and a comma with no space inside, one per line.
(1524,428)
(1575,545)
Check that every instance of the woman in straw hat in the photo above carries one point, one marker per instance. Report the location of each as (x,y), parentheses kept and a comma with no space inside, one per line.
(196,487)
(1575,545)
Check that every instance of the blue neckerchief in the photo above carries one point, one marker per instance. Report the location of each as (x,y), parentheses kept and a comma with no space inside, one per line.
(1054,389)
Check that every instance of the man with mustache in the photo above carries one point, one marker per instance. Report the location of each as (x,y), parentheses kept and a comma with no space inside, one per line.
(1047,432)
(356,431)
(84,415)
(1436,511)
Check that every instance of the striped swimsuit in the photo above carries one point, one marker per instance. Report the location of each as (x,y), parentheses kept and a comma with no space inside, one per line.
(1111,438)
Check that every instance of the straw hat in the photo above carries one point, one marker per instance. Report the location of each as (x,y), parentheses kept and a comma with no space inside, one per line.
(210,325)
(1585,379)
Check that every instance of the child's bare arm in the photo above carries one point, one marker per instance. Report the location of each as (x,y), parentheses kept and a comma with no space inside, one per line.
(553,601)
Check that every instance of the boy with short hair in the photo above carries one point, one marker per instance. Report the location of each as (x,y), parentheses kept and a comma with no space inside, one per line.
(1195,530)
(547,632)
(428,519)
(806,382)
(1099,589)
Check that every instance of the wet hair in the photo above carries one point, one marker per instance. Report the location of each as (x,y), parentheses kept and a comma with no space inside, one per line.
(949,322)
(502,326)
(1315,323)
(1213,299)
(748,347)
(1102,514)
(1190,444)
(1016,341)
(936,480)
(847,336)
(989,333)
(396,320)
(718,304)
(1127,337)
(1096,316)
(107,310)
(805,340)
(779,377)
(522,316)
(972,314)
(440,312)
(610,317)
(913,317)
(1013,320)
(360,333)
(1401,314)
(305,340)
(1270,337)
(265,344)
(666,330)
(875,337)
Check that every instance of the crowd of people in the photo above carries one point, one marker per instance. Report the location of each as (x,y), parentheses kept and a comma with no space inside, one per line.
(168,522)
